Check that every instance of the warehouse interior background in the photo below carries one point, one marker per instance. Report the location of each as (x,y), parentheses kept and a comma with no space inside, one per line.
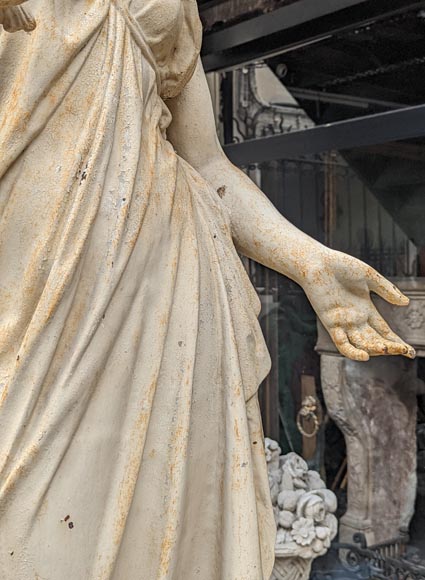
(322,103)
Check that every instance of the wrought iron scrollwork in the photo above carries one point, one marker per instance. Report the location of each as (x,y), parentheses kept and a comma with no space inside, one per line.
(357,561)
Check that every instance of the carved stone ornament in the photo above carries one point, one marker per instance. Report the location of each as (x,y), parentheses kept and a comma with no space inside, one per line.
(415,318)
(303,509)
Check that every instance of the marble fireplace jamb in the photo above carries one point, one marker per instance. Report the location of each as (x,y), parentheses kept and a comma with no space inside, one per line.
(374,404)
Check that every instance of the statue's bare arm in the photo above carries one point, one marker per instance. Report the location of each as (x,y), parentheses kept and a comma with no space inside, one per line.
(337,285)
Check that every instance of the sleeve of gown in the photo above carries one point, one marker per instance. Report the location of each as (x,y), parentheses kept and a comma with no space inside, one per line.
(177,71)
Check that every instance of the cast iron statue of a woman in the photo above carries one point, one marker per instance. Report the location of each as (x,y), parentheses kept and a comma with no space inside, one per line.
(130,435)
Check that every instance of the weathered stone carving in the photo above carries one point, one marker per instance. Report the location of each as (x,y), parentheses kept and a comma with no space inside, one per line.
(415,317)
(303,509)
(131,352)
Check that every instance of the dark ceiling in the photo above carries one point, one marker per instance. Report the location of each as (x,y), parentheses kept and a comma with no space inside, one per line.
(376,67)
(359,59)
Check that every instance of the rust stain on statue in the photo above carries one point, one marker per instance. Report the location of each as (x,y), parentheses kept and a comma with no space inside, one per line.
(166,546)
(236,430)
(4,394)
(236,472)
(18,473)
(128,484)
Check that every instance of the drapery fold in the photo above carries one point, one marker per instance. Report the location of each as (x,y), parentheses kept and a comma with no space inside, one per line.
(130,349)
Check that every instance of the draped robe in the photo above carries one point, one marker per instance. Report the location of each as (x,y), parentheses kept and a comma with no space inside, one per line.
(130,352)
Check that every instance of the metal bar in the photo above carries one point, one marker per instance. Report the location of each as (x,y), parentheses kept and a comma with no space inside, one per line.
(206,4)
(340,99)
(229,60)
(286,29)
(406,123)
(227,106)
(274,21)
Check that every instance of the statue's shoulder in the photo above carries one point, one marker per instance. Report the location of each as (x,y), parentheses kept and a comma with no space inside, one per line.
(14,17)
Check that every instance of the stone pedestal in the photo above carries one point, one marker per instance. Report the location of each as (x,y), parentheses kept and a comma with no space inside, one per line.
(374,404)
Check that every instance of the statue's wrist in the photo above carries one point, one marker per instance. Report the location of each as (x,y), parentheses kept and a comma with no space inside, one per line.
(307,261)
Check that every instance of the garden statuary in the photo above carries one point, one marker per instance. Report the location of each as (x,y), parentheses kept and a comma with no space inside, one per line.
(303,510)
(130,352)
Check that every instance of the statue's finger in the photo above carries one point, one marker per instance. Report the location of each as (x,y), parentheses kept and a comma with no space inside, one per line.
(368,340)
(373,343)
(395,348)
(385,289)
(378,323)
(344,346)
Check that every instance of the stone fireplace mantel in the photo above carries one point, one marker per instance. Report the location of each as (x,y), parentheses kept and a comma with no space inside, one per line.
(375,406)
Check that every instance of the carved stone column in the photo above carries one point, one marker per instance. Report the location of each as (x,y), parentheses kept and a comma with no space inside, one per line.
(374,404)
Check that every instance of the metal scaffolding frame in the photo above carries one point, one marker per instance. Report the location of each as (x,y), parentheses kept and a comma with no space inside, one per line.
(405,123)
(206,4)
(289,27)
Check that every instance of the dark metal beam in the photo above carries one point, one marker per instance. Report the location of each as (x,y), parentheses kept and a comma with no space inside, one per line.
(287,28)
(275,21)
(341,99)
(370,130)
(227,106)
(206,4)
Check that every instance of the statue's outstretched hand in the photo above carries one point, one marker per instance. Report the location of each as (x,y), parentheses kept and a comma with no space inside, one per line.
(339,291)
(14,17)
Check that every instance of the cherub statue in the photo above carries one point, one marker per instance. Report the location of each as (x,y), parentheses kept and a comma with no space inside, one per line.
(130,351)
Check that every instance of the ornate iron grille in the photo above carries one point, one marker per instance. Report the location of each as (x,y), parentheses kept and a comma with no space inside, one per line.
(390,561)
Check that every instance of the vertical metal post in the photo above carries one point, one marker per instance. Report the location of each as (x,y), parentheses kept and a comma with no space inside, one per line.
(227,106)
